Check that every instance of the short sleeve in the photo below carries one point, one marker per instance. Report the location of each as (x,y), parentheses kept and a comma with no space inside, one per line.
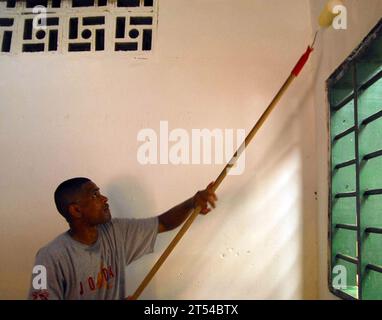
(138,236)
(46,281)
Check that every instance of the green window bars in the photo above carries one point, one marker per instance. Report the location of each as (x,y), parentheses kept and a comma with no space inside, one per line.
(355,204)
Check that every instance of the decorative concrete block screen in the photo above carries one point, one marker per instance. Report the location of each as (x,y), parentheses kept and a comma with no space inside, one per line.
(355,204)
(66,26)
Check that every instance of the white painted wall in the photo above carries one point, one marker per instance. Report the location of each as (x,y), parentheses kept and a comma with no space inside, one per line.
(216,64)
(333,48)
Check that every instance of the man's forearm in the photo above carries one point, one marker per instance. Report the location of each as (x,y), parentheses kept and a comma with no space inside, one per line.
(176,215)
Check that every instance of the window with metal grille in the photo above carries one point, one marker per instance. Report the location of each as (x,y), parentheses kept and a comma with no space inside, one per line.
(355,197)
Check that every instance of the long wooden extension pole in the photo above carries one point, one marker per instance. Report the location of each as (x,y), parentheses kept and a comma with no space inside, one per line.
(300,64)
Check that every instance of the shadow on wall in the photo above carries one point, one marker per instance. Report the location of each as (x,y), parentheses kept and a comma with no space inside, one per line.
(274,219)
(270,219)
(264,243)
(305,115)
(282,193)
(271,235)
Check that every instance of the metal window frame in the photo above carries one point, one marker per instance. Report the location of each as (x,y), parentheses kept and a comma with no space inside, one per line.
(350,64)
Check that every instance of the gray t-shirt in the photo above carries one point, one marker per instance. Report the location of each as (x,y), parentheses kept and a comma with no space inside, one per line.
(78,271)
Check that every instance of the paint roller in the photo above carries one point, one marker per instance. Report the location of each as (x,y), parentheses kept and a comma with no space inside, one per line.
(326,17)
(325,20)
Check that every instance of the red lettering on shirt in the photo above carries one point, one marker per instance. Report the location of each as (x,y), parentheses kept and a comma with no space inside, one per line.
(91,283)
(103,281)
(40,295)
(111,272)
(105,274)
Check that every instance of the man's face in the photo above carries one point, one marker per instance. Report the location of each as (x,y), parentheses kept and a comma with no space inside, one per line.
(93,205)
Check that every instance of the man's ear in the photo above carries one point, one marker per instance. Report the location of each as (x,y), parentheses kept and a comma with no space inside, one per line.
(74,211)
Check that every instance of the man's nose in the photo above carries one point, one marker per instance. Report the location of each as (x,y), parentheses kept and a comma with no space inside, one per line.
(105,199)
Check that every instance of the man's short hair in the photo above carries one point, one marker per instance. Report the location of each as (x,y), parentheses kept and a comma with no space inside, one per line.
(66,193)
